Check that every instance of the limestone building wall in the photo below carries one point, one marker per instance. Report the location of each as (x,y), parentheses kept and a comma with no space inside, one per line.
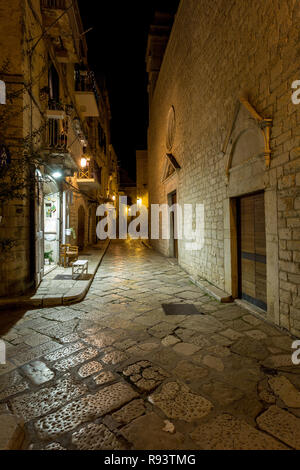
(142,176)
(41,72)
(219,51)
(18,27)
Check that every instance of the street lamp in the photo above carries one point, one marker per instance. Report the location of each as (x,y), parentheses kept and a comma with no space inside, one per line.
(57,175)
(83,162)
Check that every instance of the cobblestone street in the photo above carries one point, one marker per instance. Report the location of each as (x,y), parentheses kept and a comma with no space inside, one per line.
(115,372)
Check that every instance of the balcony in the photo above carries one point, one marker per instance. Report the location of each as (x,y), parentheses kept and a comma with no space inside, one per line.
(89,178)
(86,94)
(56,138)
(53,4)
(61,20)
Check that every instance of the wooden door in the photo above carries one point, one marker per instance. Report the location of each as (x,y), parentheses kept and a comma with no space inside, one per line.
(252,250)
(174,225)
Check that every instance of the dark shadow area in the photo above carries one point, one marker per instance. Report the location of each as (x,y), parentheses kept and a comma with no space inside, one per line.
(9,318)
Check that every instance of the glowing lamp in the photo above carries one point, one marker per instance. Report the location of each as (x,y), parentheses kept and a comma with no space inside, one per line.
(83,163)
(57,175)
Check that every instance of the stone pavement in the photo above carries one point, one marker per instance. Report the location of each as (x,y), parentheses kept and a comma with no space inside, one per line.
(54,292)
(114,372)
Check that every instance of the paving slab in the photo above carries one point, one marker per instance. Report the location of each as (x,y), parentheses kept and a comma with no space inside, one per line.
(81,411)
(178,402)
(38,372)
(11,432)
(283,388)
(96,437)
(226,432)
(282,425)
(120,362)
(147,433)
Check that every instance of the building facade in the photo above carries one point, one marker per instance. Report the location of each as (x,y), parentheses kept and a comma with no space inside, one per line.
(142,177)
(55,127)
(224,134)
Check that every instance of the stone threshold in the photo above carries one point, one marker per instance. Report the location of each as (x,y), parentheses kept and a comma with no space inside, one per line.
(74,295)
(218,294)
(261,315)
(252,308)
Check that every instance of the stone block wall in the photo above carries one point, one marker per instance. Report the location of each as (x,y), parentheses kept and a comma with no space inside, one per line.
(15,222)
(218,51)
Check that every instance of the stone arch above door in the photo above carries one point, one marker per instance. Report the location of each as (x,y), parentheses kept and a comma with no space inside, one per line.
(247,157)
(247,142)
(171,168)
(247,145)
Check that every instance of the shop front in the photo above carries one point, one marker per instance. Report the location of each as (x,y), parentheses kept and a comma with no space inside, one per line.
(52,211)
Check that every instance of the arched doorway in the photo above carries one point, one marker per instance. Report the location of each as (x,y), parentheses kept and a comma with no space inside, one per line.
(250,218)
(81,227)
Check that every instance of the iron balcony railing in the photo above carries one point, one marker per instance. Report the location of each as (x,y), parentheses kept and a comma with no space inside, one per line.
(57,134)
(54,4)
(85,81)
(57,127)
(91,172)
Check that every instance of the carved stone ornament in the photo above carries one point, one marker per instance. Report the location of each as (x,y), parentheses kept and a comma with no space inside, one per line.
(171,129)
(248,137)
(171,167)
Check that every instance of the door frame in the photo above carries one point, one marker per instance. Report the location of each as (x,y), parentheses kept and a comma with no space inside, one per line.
(239,241)
(231,258)
(173,250)
(39,229)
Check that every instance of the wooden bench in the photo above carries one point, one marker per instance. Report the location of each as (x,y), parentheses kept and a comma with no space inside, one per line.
(80,267)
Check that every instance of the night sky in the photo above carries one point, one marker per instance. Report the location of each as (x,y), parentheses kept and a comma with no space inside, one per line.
(117,49)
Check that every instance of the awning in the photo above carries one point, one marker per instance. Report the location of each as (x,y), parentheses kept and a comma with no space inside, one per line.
(49,186)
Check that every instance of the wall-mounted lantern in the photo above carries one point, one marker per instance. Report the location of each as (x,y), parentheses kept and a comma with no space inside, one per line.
(83,162)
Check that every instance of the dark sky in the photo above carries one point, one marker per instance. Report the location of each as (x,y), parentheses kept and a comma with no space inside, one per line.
(117,50)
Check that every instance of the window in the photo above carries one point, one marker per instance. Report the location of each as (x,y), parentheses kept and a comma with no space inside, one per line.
(53,84)
(102,138)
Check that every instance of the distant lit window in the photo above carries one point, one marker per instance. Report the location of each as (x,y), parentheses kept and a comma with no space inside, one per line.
(2,92)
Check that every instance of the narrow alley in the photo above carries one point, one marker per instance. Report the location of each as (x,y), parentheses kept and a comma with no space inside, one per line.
(115,372)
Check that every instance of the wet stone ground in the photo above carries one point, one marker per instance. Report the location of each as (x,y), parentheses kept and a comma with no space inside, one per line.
(114,372)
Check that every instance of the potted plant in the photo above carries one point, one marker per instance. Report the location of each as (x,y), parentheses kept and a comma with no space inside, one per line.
(49,257)
(71,231)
